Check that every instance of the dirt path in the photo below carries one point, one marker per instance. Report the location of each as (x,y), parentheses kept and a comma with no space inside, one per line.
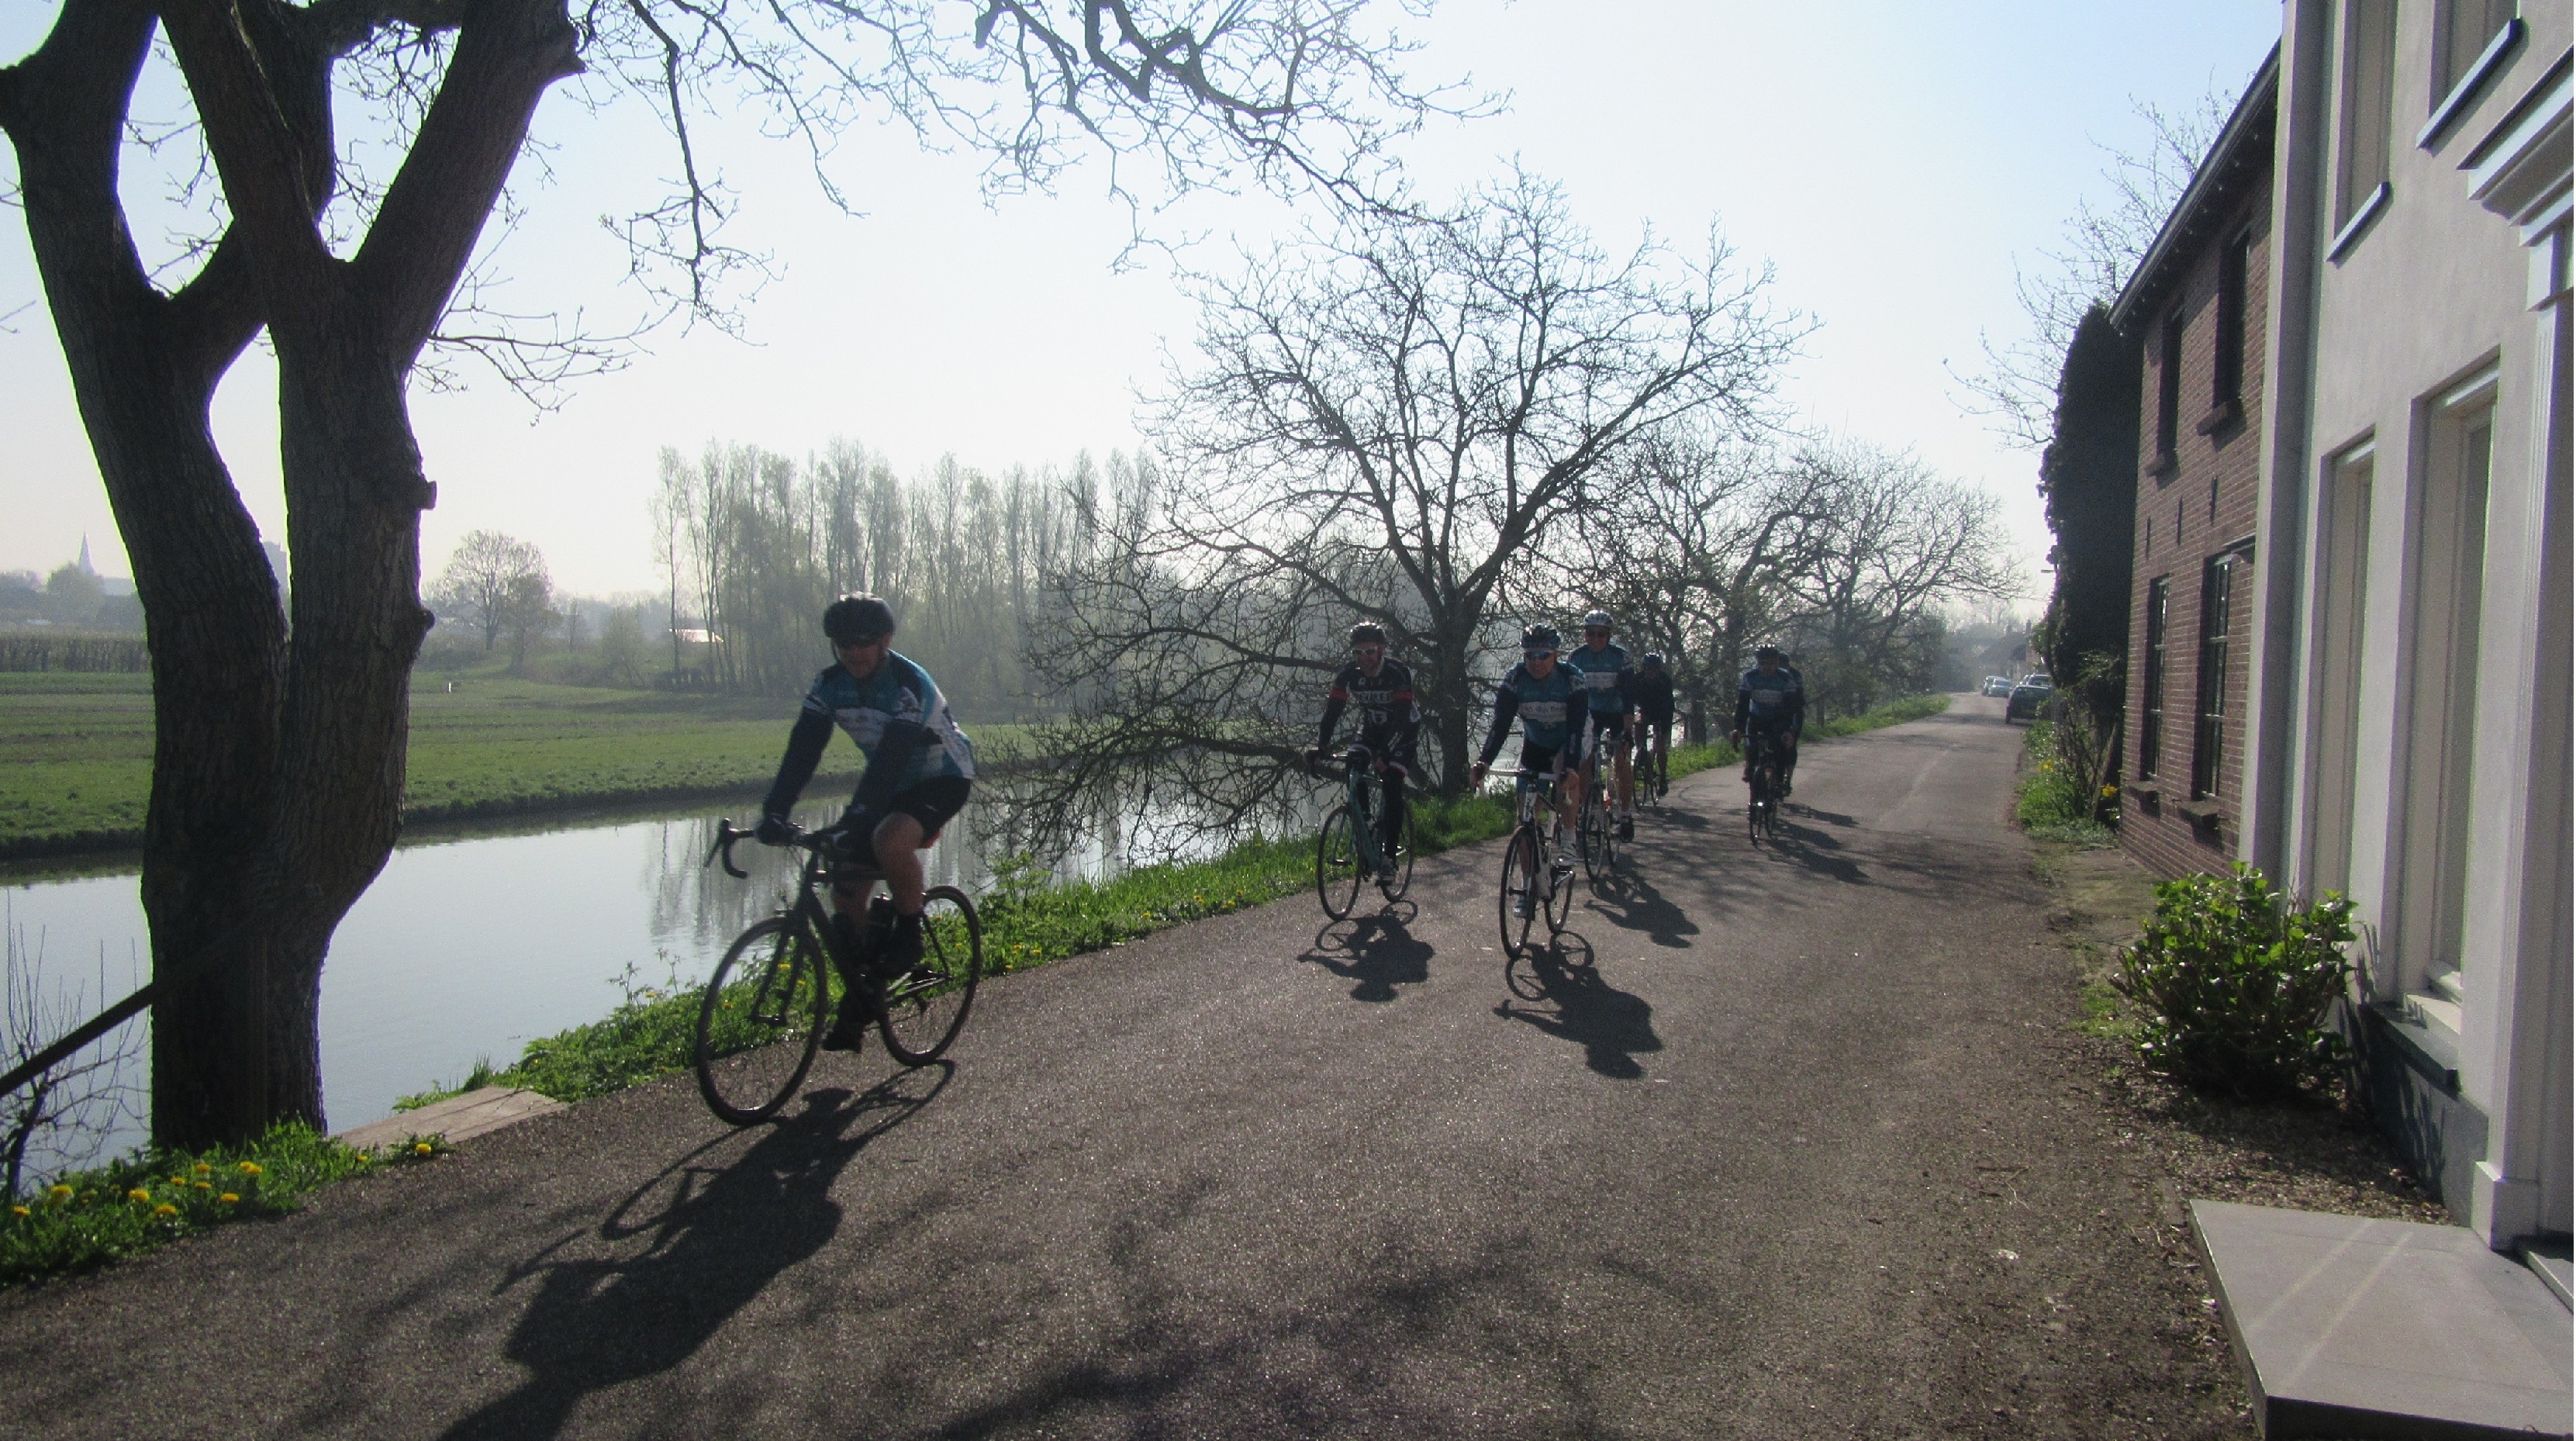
(1806,1151)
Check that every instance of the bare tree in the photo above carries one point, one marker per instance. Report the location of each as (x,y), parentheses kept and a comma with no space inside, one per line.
(2097,251)
(66,1115)
(1895,545)
(1388,420)
(484,580)
(278,766)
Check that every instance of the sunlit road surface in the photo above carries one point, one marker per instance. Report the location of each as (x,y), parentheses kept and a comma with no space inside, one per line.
(1789,1145)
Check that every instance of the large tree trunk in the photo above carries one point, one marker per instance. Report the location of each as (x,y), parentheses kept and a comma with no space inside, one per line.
(277,770)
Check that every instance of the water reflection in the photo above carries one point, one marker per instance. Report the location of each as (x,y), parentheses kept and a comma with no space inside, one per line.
(470,945)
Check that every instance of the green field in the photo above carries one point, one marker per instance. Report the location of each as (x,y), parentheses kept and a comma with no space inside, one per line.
(76,751)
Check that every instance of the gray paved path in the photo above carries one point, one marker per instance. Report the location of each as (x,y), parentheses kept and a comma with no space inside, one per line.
(1801,1154)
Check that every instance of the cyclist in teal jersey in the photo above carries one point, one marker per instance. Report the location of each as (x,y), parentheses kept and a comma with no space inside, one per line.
(1549,703)
(1610,681)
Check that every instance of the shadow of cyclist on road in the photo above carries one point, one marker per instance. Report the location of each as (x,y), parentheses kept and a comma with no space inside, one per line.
(1377,951)
(1634,904)
(721,1235)
(1612,1026)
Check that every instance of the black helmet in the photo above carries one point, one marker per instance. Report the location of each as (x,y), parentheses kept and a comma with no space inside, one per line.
(857,619)
(1652,657)
(1770,650)
(1541,637)
(1368,632)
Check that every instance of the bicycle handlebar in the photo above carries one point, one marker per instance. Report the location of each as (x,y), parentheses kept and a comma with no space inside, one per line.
(727,833)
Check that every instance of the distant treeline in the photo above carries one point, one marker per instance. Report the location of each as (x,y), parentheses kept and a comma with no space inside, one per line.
(760,542)
(121,654)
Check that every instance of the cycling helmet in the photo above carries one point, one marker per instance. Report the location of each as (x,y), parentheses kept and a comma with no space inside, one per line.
(1368,632)
(1541,637)
(1770,650)
(857,619)
(1652,657)
(1598,620)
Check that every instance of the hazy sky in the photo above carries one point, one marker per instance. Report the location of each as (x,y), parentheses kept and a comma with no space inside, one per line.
(1889,159)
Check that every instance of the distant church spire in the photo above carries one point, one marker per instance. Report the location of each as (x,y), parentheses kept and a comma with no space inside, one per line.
(84,560)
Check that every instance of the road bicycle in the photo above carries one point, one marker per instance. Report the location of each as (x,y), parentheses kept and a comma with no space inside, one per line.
(770,1000)
(1533,886)
(1762,781)
(1596,827)
(1651,769)
(1347,848)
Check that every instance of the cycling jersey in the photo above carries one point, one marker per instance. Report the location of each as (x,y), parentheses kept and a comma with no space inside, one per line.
(1606,674)
(1776,701)
(899,694)
(1548,711)
(1388,714)
(1653,693)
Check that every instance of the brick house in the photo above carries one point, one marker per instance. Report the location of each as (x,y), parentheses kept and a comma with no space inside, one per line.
(2195,309)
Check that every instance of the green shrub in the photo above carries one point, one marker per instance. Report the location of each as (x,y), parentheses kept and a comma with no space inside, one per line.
(2054,802)
(2234,984)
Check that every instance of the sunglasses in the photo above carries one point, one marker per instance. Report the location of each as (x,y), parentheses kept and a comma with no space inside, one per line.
(1536,653)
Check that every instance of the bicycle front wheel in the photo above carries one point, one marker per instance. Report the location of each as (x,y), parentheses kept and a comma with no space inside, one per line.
(1337,863)
(1524,887)
(1403,859)
(926,1006)
(760,1020)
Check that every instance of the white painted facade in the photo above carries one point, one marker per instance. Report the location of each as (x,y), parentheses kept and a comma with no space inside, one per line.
(2409,734)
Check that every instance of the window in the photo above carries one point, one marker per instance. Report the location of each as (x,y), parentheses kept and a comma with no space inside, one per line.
(2450,600)
(2151,706)
(2227,373)
(2462,31)
(2362,110)
(2209,735)
(2169,388)
(2213,501)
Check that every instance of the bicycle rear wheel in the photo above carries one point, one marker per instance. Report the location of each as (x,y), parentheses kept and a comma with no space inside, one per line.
(1524,892)
(1592,838)
(760,1020)
(924,1008)
(1337,863)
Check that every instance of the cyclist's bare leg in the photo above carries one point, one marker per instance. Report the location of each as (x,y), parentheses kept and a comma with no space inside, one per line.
(1569,803)
(899,842)
(1627,781)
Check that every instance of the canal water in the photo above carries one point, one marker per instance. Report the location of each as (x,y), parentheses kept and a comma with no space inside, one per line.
(470,945)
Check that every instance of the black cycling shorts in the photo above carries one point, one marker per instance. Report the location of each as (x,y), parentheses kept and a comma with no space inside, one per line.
(1398,758)
(1611,726)
(1545,759)
(933,802)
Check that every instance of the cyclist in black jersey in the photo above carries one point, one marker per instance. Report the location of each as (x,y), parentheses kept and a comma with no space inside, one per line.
(1389,720)
(1653,695)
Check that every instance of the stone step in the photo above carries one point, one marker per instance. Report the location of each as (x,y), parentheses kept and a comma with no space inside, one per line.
(2353,1327)
(458,1118)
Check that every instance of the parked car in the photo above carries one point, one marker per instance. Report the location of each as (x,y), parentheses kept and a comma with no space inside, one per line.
(1995,685)
(2029,698)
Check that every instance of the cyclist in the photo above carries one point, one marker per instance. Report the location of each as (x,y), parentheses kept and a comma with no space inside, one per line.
(1772,700)
(1607,675)
(1545,695)
(920,769)
(1654,696)
(1389,720)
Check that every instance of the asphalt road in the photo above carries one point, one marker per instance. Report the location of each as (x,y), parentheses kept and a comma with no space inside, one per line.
(1803,1151)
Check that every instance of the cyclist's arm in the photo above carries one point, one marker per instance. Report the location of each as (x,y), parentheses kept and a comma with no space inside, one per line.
(1507,702)
(804,752)
(1743,708)
(1333,703)
(1408,718)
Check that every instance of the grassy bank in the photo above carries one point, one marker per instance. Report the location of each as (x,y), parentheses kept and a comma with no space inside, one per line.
(90,1218)
(76,751)
(2052,803)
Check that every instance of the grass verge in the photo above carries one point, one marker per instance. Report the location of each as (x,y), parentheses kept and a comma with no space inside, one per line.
(90,1218)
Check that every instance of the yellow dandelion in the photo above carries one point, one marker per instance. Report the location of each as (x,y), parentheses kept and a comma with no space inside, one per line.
(178,1180)
(20,1211)
(248,1168)
(229,1199)
(202,1186)
(138,1195)
(421,1148)
(60,1194)
(165,1209)
(365,1157)
(204,1170)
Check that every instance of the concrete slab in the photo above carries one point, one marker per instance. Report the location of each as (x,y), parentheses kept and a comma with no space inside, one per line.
(2356,1328)
(458,1118)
